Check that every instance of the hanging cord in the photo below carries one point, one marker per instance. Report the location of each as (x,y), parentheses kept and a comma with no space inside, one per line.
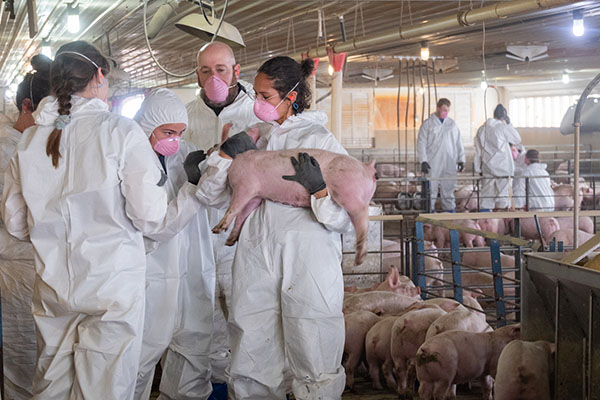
(434,82)
(406,119)
(423,89)
(145,13)
(428,88)
(414,71)
(398,107)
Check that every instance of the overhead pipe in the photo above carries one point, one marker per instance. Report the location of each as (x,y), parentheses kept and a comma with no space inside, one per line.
(414,82)
(433,26)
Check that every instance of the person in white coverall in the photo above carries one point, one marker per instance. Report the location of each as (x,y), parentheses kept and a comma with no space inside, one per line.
(223,100)
(17,269)
(494,161)
(184,262)
(84,187)
(441,153)
(538,190)
(286,317)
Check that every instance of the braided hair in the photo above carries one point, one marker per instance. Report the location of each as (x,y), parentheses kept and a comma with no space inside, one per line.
(70,74)
(286,72)
(36,84)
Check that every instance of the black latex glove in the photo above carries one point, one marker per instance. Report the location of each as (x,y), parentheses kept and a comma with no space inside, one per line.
(237,144)
(461,166)
(190,165)
(425,167)
(308,173)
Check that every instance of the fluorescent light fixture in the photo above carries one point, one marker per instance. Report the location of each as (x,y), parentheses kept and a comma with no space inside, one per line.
(73,19)
(330,69)
(578,28)
(565,77)
(196,25)
(46,49)
(424,51)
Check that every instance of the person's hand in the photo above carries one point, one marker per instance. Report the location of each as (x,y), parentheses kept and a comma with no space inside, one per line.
(461,166)
(308,173)
(237,144)
(190,166)
(425,167)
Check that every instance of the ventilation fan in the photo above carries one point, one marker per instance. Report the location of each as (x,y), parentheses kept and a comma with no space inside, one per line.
(376,74)
(526,53)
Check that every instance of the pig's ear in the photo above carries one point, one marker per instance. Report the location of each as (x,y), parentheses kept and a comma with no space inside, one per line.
(372,164)
(552,347)
(516,329)
(472,294)
(393,277)
(254,133)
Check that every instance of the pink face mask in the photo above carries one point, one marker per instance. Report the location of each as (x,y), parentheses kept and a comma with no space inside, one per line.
(266,111)
(167,146)
(443,114)
(216,89)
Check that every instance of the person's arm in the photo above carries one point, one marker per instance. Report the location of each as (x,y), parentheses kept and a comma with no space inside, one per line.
(13,207)
(422,143)
(519,188)
(212,190)
(459,147)
(477,158)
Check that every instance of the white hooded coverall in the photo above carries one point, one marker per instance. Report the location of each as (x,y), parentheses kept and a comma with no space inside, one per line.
(440,145)
(180,276)
(288,288)
(17,274)
(85,220)
(541,195)
(493,159)
(204,131)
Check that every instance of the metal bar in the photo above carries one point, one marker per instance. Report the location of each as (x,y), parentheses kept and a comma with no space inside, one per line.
(498,283)
(518,261)
(456,275)
(419,259)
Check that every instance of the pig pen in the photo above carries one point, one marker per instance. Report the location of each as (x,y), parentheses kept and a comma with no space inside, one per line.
(561,304)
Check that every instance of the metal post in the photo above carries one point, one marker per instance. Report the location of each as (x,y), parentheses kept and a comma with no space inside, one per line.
(498,282)
(518,264)
(456,270)
(419,257)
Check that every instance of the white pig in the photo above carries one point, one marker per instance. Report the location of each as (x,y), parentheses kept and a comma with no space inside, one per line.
(524,370)
(457,357)
(377,351)
(462,319)
(357,325)
(378,302)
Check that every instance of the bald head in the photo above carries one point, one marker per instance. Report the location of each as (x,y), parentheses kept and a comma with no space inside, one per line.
(216,51)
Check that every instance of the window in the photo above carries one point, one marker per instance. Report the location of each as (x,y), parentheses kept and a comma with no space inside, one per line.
(131,105)
(539,112)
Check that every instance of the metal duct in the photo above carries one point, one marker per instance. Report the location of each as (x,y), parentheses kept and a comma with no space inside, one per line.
(432,27)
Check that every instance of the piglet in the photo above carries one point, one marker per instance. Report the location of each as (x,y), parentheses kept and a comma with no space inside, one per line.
(256,175)
(457,357)
(378,302)
(524,370)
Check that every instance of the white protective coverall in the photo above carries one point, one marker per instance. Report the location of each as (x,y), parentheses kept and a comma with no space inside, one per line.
(204,131)
(180,270)
(85,220)
(493,159)
(288,288)
(541,195)
(440,145)
(518,183)
(17,274)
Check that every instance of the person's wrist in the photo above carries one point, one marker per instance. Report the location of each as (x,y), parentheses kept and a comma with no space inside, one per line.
(321,193)
(225,155)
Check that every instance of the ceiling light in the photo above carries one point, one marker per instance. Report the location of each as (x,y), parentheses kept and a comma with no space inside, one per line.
(197,25)
(565,77)
(578,28)
(330,69)
(421,90)
(424,51)
(73,19)
(483,85)
(46,49)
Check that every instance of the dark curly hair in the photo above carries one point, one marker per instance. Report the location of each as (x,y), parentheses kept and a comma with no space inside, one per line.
(71,73)
(36,84)
(285,72)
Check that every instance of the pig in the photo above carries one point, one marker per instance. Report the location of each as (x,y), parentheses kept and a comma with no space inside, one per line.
(433,267)
(566,236)
(255,175)
(586,224)
(466,199)
(378,302)
(391,259)
(564,197)
(462,319)
(441,236)
(408,334)
(394,282)
(496,225)
(377,351)
(484,261)
(457,357)
(357,325)
(529,230)
(524,370)
(591,198)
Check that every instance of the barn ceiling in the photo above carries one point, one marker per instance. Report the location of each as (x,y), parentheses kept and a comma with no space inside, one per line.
(273,27)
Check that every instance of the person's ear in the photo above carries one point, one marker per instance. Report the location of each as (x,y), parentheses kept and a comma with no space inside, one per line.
(292,96)
(100,78)
(27,105)
(236,70)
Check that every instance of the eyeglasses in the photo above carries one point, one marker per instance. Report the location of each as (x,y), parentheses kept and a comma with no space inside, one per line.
(253,95)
